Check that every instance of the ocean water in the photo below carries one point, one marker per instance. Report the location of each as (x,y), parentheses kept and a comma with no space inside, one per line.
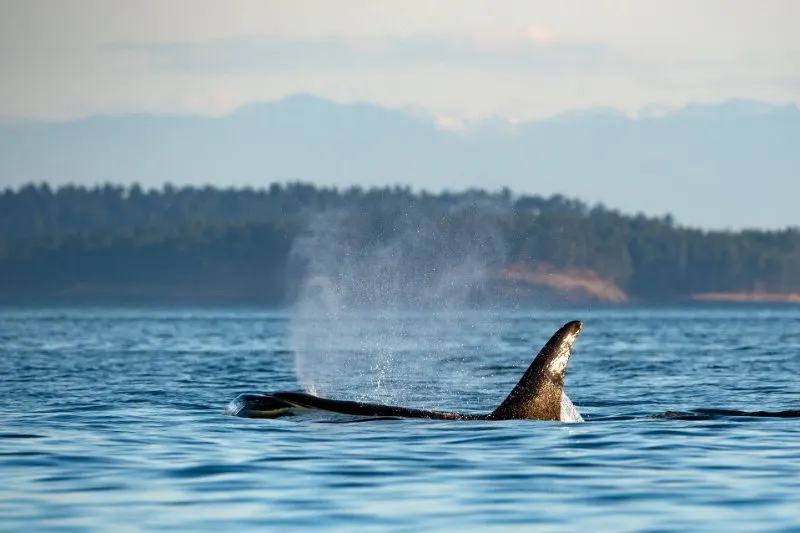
(114,420)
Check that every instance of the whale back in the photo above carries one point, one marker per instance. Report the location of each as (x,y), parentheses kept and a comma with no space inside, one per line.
(538,394)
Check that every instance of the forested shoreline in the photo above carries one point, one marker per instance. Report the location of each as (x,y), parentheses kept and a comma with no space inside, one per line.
(115,243)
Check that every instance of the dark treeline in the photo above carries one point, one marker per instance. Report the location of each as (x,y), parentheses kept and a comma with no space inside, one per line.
(184,243)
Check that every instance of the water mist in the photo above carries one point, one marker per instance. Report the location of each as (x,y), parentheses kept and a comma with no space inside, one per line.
(383,301)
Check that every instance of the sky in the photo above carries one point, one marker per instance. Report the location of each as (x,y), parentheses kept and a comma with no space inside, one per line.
(458,59)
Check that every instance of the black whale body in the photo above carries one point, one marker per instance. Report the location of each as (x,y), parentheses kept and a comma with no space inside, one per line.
(537,396)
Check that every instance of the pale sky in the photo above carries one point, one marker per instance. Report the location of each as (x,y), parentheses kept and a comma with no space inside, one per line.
(459,59)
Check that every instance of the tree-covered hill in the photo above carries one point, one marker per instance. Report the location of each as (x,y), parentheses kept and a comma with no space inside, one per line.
(114,243)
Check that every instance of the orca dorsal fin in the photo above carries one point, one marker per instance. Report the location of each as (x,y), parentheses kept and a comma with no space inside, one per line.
(538,393)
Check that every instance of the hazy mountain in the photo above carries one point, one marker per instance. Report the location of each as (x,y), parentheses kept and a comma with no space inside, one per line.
(732,164)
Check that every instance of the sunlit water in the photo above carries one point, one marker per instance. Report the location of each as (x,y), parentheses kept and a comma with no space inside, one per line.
(114,420)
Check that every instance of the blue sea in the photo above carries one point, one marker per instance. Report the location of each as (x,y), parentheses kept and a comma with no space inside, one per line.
(115,420)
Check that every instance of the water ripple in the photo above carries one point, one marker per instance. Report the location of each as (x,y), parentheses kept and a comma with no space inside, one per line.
(114,420)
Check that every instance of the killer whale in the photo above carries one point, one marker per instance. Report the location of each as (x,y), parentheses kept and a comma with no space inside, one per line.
(539,394)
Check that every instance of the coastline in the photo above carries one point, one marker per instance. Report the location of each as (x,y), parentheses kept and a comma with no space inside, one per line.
(747,297)
(516,284)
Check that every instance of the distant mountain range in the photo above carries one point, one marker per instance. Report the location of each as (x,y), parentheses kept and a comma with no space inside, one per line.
(733,164)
